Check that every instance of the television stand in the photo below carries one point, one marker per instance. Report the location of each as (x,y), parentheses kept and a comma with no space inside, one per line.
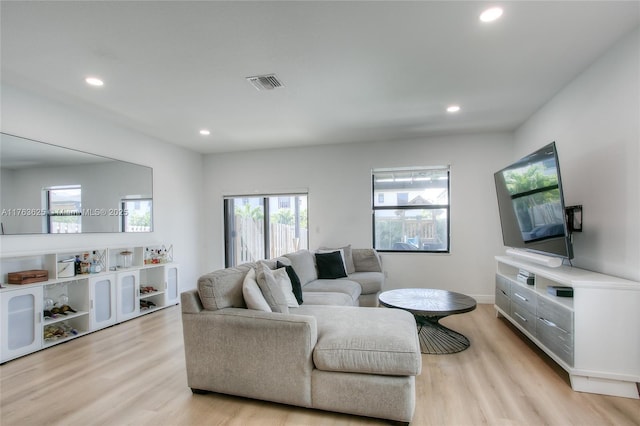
(594,335)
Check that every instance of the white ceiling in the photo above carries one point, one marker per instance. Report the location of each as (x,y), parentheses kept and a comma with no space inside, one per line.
(353,71)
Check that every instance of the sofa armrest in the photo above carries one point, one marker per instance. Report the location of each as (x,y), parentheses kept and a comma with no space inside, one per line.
(366,260)
(249,353)
(190,302)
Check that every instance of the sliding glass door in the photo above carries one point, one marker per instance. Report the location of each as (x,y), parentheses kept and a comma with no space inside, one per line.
(264,226)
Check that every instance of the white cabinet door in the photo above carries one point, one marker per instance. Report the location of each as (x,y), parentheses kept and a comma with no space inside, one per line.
(103,301)
(21,329)
(128,295)
(172,284)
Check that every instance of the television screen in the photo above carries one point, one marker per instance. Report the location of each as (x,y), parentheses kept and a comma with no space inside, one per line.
(531,204)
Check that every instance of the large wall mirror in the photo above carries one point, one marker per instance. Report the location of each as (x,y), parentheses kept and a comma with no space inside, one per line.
(48,189)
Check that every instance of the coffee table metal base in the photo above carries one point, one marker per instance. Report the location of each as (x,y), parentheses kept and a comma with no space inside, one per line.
(435,338)
(428,306)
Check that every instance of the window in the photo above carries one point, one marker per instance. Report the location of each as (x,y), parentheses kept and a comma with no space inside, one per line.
(411,209)
(136,215)
(64,209)
(264,227)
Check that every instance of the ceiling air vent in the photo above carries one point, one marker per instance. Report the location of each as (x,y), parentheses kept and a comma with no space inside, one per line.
(265,82)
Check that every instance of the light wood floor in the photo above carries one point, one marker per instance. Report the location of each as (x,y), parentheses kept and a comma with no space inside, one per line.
(133,374)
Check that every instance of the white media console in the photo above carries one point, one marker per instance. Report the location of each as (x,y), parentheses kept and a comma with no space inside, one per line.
(594,335)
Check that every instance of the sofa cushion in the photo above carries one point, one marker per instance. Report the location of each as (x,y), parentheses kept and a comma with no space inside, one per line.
(271,288)
(252,294)
(223,289)
(371,282)
(303,263)
(347,254)
(328,298)
(295,281)
(350,288)
(282,260)
(365,340)
(366,260)
(330,265)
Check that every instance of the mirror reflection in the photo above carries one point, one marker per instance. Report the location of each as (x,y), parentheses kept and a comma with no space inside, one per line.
(48,189)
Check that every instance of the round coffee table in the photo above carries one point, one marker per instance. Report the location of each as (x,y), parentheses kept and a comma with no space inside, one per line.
(428,306)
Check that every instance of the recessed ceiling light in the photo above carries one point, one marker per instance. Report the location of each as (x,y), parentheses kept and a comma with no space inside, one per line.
(205,132)
(453,108)
(94,81)
(491,14)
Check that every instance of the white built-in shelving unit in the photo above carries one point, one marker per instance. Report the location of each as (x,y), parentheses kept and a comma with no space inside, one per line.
(125,282)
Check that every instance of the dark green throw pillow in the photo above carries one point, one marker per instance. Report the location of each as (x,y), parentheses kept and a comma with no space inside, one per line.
(295,281)
(330,265)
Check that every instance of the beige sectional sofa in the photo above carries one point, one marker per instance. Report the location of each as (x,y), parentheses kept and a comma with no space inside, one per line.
(327,353)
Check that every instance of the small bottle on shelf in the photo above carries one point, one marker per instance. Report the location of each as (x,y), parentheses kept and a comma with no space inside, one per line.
(95,264)
(78,265)
(85,264)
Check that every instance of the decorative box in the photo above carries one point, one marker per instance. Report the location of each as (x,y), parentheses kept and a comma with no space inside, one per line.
(28,277)
(66,268)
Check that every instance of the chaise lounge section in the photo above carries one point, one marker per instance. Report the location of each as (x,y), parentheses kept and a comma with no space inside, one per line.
(327,353)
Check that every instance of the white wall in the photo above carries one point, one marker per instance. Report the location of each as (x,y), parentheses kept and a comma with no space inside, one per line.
(338,178)
(595,122)
(177,178)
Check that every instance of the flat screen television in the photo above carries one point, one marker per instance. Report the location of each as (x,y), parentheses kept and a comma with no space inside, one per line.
(531,204)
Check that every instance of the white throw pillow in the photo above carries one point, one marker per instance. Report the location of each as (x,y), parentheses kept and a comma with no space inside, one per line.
(271,290)
(252,295)
(283,280)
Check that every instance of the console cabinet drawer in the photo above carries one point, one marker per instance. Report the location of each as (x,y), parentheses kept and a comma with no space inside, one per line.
(502,300)
(559,315)
(523,317)
(523,297)
(503,284)
(565,354)
(558,340)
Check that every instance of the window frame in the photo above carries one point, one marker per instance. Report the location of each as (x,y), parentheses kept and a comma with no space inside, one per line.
(407,207)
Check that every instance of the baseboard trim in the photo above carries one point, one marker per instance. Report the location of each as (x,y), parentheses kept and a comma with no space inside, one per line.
(485,299)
